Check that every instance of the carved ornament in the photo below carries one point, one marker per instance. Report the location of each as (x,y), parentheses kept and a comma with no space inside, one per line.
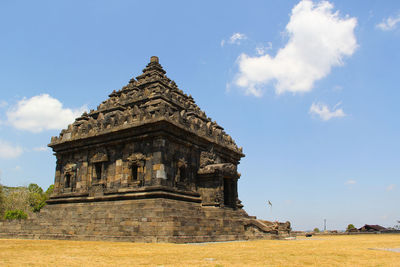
(137,159)
(70,167)
(100,156)
(223,168)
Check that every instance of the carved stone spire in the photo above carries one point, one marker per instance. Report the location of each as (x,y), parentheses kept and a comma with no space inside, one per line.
(152,96)
(152,73)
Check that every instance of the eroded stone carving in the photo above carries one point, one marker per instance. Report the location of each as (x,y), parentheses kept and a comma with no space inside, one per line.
(70,167)
(223,168)
(100,156)
(181,171)
(137,159)
(207,158)
(142,101)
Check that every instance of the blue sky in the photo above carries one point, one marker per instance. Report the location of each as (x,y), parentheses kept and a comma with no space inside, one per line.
(309,89)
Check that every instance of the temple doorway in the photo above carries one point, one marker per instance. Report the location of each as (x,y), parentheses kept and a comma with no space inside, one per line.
(228,193)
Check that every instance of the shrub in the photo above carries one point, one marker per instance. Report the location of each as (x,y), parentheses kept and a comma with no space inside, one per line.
(37,203)
(350,227)
(316,230)
(15,215)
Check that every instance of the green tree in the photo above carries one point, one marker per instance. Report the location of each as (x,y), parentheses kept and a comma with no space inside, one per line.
(316,230)
(16,198)
(34,188)
(37,198)
(49,191)
(27,199)
(350,227)
(2,201)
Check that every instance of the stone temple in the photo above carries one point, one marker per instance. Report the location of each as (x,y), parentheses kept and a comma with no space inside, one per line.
(147,165)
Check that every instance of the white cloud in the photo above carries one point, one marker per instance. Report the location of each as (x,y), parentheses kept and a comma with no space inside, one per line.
(40,113)
(319,39)
(390,187)
(389,24)
(235,39)
(3,104)
(17,168)
(350,182)
(40,149)
(8,151)
(325,113)
(262,49)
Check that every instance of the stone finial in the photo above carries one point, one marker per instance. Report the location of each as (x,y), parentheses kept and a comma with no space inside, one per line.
(154,59)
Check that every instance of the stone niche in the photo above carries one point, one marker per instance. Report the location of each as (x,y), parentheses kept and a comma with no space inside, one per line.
(147,154)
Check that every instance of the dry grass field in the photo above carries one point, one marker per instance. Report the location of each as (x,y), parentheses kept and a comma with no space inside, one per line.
(356,250)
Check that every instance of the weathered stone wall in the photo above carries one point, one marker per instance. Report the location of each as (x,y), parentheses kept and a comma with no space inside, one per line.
(108,165)
(115,162)
(145,220)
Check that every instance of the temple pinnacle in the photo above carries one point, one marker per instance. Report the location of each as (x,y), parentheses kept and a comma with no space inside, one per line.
(154,59)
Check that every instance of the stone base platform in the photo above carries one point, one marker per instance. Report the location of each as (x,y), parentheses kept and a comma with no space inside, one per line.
(140,220)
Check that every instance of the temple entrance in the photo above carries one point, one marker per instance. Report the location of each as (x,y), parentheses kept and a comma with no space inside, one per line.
(228,193)
(98,167)
(67,180)
(135,170)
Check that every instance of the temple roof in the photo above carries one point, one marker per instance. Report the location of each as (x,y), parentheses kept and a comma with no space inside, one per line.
(151,97)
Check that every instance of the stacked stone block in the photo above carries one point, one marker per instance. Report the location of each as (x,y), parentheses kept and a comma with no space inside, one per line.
(146,220)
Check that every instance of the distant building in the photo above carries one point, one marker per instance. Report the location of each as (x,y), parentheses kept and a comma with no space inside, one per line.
(372,228)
